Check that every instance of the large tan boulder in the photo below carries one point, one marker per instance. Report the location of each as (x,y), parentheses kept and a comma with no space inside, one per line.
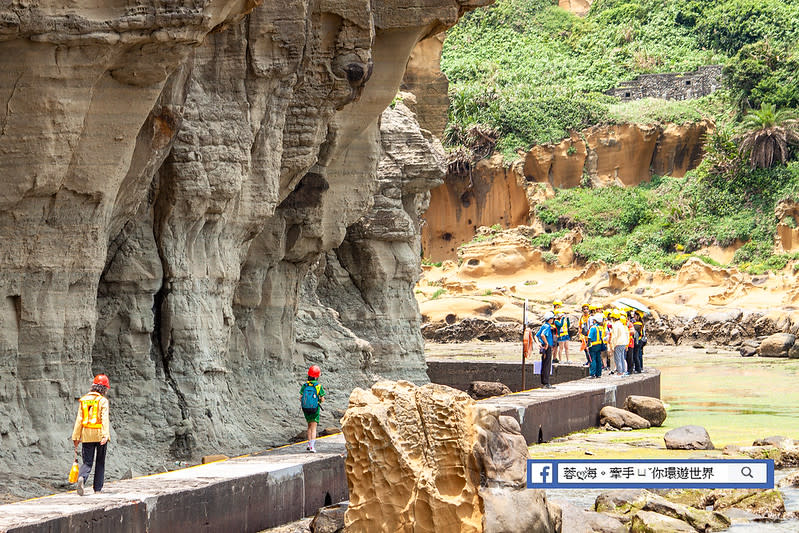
(431,459)
(777,345)
(652,409)
(619,418)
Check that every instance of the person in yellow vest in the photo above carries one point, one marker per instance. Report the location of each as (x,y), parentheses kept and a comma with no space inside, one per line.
(562,338)
(93,429)
(582,330)
(596,345)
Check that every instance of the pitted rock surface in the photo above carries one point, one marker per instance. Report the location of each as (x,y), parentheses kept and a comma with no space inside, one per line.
(431,459)
(175,177)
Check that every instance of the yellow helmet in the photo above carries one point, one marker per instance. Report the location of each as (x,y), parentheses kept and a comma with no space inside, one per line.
(585,305)
(615,313)
(557,303)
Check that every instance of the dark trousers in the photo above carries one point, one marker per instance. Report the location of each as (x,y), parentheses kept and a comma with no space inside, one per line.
(638,357)
(630,358)
(88,450)
(596,361)
(546,365)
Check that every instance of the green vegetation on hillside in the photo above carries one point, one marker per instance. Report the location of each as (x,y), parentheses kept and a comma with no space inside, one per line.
(528,72)
(531,71)
(660,224)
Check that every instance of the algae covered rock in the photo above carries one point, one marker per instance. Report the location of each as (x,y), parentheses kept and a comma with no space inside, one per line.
(759,502)
(652,409)
(649,522)
(576,520)
(625,504)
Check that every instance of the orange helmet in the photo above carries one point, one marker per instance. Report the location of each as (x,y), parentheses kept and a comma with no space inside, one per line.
(314,371)
(101,379)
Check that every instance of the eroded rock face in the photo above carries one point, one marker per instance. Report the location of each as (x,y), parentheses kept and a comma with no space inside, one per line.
(431,459)
(170,191)
(490,194)
(623,154)
(369,278)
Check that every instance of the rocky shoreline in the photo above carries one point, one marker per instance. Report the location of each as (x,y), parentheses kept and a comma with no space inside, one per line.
(750,332)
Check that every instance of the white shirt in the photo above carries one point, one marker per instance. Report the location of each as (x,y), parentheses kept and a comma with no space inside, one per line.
(621,334)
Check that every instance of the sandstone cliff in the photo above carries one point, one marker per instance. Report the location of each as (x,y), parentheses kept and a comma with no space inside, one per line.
(178,179)
(622,154)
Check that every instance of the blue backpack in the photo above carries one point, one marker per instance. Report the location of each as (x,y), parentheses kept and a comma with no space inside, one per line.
(309,399)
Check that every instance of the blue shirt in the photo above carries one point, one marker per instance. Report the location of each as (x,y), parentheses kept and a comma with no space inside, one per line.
(545,332)
(595,334)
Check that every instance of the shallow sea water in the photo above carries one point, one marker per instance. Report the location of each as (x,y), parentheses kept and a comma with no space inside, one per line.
(738,400)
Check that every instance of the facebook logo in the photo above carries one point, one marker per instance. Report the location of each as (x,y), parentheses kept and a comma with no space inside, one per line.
(540,474)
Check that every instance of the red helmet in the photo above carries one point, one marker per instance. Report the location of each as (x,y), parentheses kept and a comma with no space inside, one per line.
(314,371)
(101,379)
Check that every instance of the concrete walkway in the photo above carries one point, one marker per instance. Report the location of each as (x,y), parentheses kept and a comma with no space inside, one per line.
(248,493)
(259,491)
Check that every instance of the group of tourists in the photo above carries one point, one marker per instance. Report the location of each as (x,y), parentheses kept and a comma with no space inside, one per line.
(612,339)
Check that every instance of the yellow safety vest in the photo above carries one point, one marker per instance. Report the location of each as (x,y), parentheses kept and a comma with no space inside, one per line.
(90,412)
(600,336)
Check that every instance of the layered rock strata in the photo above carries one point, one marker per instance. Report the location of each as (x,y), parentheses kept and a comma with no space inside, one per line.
(174,175)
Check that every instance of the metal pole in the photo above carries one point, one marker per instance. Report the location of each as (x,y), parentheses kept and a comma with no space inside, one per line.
(524,328)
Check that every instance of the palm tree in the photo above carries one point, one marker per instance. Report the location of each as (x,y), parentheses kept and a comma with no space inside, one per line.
(768,135)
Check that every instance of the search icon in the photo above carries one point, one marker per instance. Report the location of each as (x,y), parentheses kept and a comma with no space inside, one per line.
(747,472)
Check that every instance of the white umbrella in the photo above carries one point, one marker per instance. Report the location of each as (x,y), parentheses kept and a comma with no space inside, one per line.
(635,304)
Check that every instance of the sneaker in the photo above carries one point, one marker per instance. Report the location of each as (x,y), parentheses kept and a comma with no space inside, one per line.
(80,486)
(555,361)
(312,450)
(548,387)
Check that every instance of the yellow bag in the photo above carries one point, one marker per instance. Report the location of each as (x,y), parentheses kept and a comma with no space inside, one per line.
(73,472)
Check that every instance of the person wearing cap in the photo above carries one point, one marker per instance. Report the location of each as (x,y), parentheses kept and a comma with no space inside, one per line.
(547,339)
(596,345)
(93,429)
(638,353)
(562,338)
(312,394)
(608,324)
(582,328)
